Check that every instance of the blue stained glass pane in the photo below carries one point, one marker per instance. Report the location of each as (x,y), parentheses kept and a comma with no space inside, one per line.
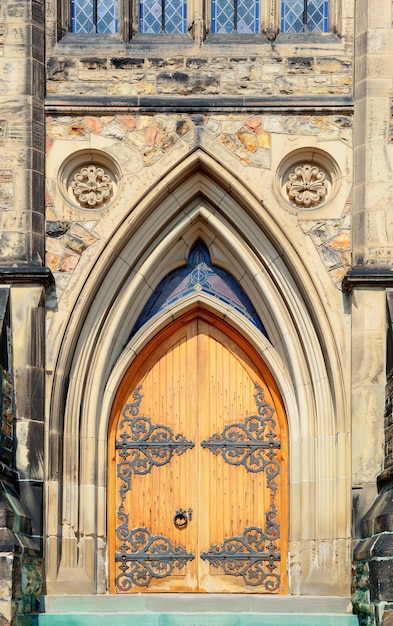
(223,13)
(173,17)
(200,275)
(248,16)
(151,19)
(224,19)
(107,20)
(82,16)
(295,20)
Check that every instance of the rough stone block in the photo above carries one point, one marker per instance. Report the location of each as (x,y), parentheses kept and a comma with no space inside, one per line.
(31,494)
(300,65)
(381,580)
(183,83)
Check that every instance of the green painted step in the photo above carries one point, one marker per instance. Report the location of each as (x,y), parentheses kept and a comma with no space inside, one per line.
(196,619)
(195,610)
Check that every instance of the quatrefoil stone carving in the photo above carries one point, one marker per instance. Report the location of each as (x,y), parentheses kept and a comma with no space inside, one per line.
(307,186)
(91,186)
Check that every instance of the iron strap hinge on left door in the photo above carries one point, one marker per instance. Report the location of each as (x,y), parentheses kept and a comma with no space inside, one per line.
(143,445)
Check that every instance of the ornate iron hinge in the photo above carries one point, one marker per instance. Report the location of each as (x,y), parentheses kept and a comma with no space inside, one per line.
(145,556)
(143,445)
(252,443)
(253,555)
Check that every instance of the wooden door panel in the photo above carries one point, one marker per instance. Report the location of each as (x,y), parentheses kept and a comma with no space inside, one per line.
(238,498)
(167,386)
(201,382)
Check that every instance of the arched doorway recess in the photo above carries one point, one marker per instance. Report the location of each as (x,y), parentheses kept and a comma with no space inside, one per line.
(92,351)
(198,466)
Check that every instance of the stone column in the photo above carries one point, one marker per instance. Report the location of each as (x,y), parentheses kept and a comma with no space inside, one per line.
(23,277)
(370,276)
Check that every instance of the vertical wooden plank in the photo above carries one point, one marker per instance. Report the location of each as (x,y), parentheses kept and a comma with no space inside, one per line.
(197,379)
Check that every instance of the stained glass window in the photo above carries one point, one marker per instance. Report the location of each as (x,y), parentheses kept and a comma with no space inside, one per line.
(94,16)
(298,16)
(163,16)
(200,275)
(235,16)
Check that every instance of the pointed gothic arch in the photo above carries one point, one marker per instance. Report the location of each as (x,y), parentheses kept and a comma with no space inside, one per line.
(198,200)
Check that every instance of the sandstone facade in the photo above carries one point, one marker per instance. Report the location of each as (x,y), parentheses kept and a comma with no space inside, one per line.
(117,154)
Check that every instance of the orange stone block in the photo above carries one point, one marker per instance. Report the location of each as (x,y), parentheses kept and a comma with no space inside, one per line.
(129,121)
(342,241)
(151,136)
(69,262)
(249,140)
(52,261)
(254,124)
(264,139)
(93,123)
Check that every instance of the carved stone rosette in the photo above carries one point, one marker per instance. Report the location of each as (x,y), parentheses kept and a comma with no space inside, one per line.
(307,186)
(91,186)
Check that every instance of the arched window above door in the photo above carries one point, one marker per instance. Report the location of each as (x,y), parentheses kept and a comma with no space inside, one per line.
(200,275)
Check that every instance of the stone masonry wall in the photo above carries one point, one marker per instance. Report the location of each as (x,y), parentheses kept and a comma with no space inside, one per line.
(226,74)
(21,132)
(244,141)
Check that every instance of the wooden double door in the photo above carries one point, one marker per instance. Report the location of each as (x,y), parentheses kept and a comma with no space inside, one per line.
(198,467)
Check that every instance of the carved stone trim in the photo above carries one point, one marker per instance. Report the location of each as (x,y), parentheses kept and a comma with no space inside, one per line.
(309,179)
(307,186)
(92,186)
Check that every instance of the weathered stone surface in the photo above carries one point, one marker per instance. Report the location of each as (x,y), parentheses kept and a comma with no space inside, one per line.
(183,126)
(300,65)
(249,141)
(56,229)
(254,124)
(186,84)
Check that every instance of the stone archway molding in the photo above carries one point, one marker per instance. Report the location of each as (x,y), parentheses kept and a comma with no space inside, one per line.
(92,351)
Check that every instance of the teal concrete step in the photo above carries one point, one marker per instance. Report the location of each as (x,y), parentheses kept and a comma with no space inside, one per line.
(196,619)
(195,610)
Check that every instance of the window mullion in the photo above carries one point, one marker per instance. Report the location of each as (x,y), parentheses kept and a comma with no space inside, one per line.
(163,16)
(95,16)
(305,15)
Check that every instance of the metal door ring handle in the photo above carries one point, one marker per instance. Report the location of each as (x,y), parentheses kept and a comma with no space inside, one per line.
(180,520)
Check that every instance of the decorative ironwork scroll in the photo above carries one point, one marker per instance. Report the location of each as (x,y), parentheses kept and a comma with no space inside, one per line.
(144,556)
(253,556)
(141,446)
(252,444)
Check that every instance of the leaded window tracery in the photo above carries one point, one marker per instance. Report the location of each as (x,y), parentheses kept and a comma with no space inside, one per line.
(162,16)
(235,16)
(94,16)
(240,17)
(300,16)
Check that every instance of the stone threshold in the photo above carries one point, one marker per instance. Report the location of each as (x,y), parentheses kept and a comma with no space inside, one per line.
(197,603)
